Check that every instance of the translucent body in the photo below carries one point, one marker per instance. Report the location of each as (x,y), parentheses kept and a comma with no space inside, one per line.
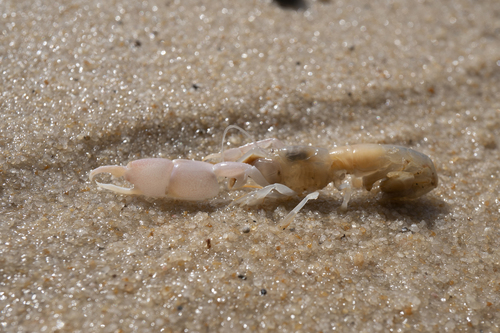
(303,170)
(280,170)
(403,172)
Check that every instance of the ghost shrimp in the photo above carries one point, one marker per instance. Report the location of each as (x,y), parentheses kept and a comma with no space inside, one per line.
(178,179)
(303,170)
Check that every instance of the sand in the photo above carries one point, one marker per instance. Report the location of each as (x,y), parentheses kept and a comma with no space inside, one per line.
(90,83)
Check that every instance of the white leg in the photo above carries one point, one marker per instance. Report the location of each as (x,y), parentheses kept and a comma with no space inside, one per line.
(254,148)
(289,218)
(239,172)
(256,197)
(347,191)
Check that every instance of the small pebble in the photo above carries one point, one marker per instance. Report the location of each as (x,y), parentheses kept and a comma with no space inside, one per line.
(245,229)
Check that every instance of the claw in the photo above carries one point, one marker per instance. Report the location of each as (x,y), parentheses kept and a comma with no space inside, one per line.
(150,177)
(116,171)
(119,189)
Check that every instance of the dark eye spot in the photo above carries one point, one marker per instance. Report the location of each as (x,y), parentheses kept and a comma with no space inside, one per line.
(296,155)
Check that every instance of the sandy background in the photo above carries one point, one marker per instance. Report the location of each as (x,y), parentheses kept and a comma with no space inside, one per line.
(89,83)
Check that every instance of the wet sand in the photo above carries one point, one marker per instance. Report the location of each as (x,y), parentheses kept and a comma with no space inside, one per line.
(87,83)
